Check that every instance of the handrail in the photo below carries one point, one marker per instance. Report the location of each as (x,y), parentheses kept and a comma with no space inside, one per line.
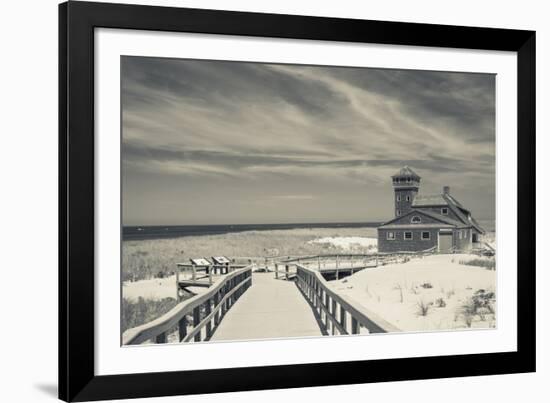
(372,255)
(326,302)
(216,301)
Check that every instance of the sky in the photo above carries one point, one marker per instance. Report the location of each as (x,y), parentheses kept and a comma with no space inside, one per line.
(217,142)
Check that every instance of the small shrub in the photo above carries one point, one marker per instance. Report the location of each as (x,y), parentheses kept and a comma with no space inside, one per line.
(400,289)
(440,303)
(483,299)
(480,304)
(423,308)
(426,285)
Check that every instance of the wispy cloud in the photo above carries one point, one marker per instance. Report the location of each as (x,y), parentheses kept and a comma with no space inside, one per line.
(251,126)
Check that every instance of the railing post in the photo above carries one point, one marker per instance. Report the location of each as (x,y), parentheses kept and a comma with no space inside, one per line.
(208,309)
(343,319)
(210,268)
(354,326)
(276,270)
(161,338)
(333,313)
(315,299)
(217,314)
(286,271)
(196,321)
(177,283)
(182,327)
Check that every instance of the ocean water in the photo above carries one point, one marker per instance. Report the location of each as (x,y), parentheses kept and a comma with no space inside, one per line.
(176,231)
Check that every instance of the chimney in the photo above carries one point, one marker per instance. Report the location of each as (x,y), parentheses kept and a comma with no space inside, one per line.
(446,190)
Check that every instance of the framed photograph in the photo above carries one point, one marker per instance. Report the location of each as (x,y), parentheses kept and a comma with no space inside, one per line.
(257,201)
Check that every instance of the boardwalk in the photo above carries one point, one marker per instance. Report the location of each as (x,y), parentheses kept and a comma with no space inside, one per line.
(269,309)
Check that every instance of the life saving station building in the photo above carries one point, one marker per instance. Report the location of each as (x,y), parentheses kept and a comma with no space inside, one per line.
(424,222)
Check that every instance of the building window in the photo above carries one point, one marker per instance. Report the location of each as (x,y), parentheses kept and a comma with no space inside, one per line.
(459,234)
(408,235)
(425,235)
(416,220)
(444,211)
(398,213)
(408,180)
(398,197)
(390,236)
(408,198)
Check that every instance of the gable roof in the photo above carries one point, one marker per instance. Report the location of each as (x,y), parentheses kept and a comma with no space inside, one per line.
(441,217)
(445,221)
(429,200)
(445,199)
(462,213)
(406,171)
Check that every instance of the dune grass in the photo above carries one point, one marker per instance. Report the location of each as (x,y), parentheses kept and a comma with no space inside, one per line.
(135,313)
(488,263)
(146,259)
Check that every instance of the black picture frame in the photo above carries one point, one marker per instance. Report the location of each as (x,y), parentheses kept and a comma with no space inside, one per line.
(77,21)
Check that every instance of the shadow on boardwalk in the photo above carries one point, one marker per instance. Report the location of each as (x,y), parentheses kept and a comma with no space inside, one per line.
(269,309)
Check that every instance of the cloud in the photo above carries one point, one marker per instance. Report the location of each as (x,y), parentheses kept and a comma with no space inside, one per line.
(247,123)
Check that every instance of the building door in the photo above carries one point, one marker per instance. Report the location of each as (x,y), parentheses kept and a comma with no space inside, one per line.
(445,242)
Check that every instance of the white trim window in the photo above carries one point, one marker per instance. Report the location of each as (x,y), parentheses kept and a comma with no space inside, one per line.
(416,220)
(397,213)
(425,235)
(408,235)
(460,234)
(390,236)
(408,198)
(444,211)
(398,198)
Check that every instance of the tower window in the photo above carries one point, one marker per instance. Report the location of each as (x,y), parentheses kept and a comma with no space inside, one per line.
(409,180)
(425,235)
(398,212)
(444,211)
(398,197)
(408,235)
(408,198)
(416,220)
(390,236)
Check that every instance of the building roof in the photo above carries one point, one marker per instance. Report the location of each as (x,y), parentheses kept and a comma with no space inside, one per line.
(445,222)
(442,218)
(462,213)
(429,200)
(414,226)
(445,199)
(406,171)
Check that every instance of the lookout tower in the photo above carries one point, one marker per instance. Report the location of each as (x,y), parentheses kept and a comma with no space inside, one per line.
(405,185)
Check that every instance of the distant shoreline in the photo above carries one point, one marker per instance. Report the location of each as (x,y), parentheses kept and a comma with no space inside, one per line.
(145,232)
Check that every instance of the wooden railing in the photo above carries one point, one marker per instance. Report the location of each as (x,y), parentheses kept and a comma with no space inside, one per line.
(338,314)
(197,315)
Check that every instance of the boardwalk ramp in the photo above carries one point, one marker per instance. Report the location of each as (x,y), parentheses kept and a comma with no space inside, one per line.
(270,309)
